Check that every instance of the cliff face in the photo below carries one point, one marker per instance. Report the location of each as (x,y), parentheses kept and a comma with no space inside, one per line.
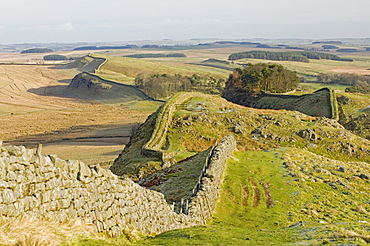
(92,87)
(360,125)
(85,83)
(318,104)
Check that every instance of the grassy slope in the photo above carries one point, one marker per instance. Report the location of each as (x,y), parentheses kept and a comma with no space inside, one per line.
(327,195)
(314,67)
(125,70)
(314,209)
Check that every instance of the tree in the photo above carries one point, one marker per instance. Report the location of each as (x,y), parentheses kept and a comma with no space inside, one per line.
(262,76)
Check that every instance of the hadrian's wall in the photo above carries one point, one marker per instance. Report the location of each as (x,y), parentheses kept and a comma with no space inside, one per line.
(164,117)
(46,186)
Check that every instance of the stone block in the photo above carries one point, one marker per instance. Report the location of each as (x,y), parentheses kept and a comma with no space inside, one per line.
(8,196)
(3,169)
(3,184)
(11,176)
(4,210)
(84,170)
(73,167)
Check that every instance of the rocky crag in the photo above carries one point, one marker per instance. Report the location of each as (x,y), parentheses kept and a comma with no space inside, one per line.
(92,87)
(321,103)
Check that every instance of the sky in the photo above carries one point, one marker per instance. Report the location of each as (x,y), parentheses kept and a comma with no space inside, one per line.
(66,21)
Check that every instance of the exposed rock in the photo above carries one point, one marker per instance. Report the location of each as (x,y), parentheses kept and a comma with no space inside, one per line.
(364,176)
(315,104)
(309,134)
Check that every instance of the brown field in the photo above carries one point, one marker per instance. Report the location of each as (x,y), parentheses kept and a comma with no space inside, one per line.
(34,109)
(36,58)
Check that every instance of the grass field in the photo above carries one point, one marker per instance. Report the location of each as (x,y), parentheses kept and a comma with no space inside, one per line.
(125,70)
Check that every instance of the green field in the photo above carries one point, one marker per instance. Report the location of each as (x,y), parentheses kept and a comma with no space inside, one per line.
(125,70)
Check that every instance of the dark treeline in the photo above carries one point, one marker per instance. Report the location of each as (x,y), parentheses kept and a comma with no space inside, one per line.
(268,55)
(153,55)
(357,83)
(37,50)
(164,85)
(267,77)
(326,56)
(327,42)
(233,42)
(266,46)
(347,50)
(300,56)
(329,47)
(105,47)
(294,48)
(154,46)
(55,57)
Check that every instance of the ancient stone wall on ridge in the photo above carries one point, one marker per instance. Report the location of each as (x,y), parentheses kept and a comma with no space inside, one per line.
(47,186)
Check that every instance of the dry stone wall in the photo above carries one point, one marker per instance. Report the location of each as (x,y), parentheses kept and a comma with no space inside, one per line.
(164,117)
(47,186)
(204,201)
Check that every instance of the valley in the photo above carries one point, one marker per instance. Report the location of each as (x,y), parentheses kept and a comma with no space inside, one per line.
(294,178)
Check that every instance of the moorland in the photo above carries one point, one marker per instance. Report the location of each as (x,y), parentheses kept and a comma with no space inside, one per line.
(315,168)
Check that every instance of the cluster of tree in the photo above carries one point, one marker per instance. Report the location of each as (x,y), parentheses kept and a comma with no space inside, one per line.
(321,55)
(294,48)
(37,50)
(300,56)
(327,42)
(262,76)
(150,46)
(105,47)
(165,85)
(347,50)
(360,87)
(55,57)
(266,46)
(268,55)
(329,47)
(344,79)
(154,46)
(153,55)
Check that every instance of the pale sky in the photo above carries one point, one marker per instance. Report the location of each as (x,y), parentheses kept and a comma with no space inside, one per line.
(30,21)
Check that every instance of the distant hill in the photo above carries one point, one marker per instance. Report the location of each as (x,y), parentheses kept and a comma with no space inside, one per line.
(328,42)
(105,47)
(156,55)
(85,64)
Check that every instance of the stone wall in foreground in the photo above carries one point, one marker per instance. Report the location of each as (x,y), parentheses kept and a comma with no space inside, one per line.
(46,186)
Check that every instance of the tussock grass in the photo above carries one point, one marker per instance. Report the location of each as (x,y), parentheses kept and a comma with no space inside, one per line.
(28,231)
